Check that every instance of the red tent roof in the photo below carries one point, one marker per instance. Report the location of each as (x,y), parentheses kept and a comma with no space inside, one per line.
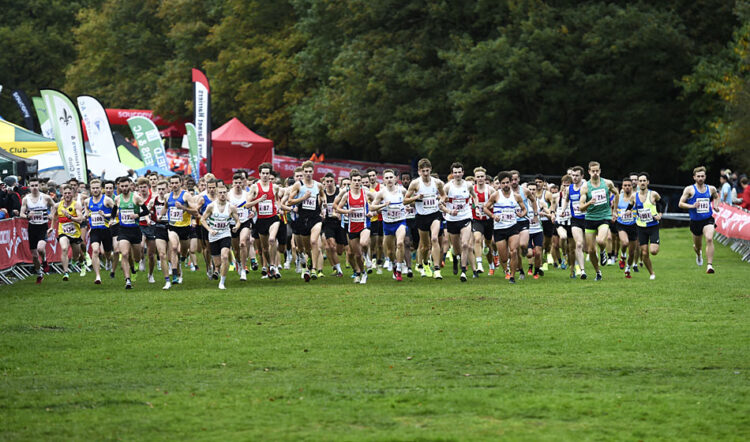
(234,131)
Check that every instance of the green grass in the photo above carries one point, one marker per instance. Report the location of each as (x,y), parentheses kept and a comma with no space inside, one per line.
(549,359)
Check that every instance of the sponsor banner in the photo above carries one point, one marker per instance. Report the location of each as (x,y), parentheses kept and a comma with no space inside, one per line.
(733,222)
(22,100)
(41,115)
(97,127)
(66,124)
(149,142)
(192,141)
(14,244)
(202,113)
(286,165)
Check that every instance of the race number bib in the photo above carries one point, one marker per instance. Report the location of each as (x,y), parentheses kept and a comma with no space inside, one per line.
(69,229)
(127,216)
(394,213)
(459,204)
(265,208)
(645,215)
(430,202)
(158,210)
(479,211)
(507,215)
(37,218)
(410,211)
(221,225)
(97,220)
(577,208)
(599,196)
(175,214)
(243,214)
(357,215)
(310,203)
(703,205)
(328,210)
(626,216)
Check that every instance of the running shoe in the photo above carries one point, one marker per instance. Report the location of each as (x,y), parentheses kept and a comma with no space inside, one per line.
(221,286)
(428,272)
(699,259)
(179,279)
(356,278)
(167,285)
(151,279)
(321,274)
(635,268)
(491,272)
(480,268)
(263,271)
(243,275)
(306,276)
(254,265)
(409,273)
(313,275)
(83,270)
(652,277)
(363,279)
(128,284)
(710,269)
(436,274)
(598,276)
(399,278)
(97,281)
(583,275)
(463,277)
(530,271)
(215,276)
(39,278)
(603,258)
(622,263)
(66,276)
(379,270)
(512,280)
(627,274)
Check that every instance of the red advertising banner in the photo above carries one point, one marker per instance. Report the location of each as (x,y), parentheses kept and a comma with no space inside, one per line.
(286,165)
(733,222)
(14,244)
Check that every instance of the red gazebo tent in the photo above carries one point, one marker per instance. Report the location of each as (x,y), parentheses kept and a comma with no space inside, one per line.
(236,147)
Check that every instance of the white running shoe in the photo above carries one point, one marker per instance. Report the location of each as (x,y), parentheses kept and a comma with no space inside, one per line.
(379,270)
(436,274)
(179,280)
(480,268)
(221,286)
(243,275)
(421,271)
(167,285)
(141,266)
(363,279)
(151,279)
(699,259)
(652,277)
(356,279)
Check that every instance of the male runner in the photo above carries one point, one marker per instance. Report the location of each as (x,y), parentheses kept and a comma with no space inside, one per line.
(160,219)
(265,197)
(535,246)
(69,216)
(701,201)
(205,198)
(376,226)
(240,237)
(505,206)
(35,207)
(524,221)
(307,195)
(649,207)
(129,209)
(180,206)
(458,200)
(356,200)
(335,234)
(98,209)
(625,226)
(147,230)
(390,201)
(482,224)
(215,220)
(595,202)
(577,219)
(114,228)
(425,193)
(411,241)
(548,226)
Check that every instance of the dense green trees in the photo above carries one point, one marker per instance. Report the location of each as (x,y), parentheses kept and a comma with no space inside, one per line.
(532,84)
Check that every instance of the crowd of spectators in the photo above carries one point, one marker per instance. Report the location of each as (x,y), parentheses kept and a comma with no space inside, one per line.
(733,189)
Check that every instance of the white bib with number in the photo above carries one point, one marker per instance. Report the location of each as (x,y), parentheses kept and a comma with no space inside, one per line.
(599,196)
(702,205)
(69,229)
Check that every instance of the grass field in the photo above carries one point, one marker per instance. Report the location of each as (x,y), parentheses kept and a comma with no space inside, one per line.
(549,359)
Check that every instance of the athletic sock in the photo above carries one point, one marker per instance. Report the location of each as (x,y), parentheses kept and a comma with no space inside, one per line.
(223,279)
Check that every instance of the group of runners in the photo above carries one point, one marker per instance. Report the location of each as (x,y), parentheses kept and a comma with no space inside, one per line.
(364,222)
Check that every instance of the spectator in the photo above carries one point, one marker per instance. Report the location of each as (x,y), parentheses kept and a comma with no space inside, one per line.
(745,197)
(725,189)
(10,200)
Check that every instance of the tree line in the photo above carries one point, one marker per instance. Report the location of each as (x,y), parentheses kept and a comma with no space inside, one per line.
(529,84)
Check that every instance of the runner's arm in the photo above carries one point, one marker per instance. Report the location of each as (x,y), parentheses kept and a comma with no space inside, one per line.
(686,194)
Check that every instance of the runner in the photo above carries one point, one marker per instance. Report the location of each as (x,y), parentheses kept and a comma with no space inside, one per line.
(35,207)
(701,200)
(535,246)
(425,193)
(264,196)
(98,210)
(482,224)
(335,234)
(356,201)
(457,202)
(215,220)
(68,215)
(377,235)
(180,206)
(524,221)
(649,207)
(147,230)
(411,241)
(505,206)
(114,228)
(625,226)
(390,198)
(595,202)
(577,219)
(206,198)
(160,221)
(545,194)
(564,238)
(240,237)
(129,209)
(307,194)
